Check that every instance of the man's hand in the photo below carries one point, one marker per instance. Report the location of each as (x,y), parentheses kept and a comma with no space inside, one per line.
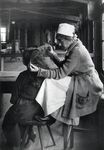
(33,68)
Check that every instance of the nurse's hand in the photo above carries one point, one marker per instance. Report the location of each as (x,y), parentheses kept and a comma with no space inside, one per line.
(33,68)
(50,50)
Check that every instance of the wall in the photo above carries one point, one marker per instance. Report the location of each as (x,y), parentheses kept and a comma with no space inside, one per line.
(5,101)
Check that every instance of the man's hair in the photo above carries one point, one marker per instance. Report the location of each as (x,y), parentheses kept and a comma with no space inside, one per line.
(26,56)
(38,59)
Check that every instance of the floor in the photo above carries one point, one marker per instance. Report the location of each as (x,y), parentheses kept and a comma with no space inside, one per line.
(82,140)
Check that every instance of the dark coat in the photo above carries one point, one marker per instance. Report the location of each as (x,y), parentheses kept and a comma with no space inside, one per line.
(26,86)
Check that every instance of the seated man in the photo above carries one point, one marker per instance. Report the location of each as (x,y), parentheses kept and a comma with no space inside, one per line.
(24,107)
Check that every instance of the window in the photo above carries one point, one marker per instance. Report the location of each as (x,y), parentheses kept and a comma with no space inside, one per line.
(102,1)
(3,35)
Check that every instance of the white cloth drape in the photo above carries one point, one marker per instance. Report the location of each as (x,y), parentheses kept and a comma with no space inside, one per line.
(52,94)
(51,97)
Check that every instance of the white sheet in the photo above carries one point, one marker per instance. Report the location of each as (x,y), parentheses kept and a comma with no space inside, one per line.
(52,94)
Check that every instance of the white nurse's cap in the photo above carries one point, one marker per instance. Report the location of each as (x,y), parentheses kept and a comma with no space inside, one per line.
(66,29)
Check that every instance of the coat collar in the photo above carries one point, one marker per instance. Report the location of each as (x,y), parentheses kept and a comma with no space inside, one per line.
(76,42)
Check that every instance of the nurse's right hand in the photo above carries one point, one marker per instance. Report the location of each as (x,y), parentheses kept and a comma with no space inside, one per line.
(50,50)
(33,68)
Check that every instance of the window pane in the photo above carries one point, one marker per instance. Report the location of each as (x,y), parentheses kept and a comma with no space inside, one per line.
(3,34)
(102,1)
(3,30)
(3,37)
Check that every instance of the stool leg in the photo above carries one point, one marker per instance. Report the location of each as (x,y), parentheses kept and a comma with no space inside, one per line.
(40,136)
(64,135)
(67,136)
(48,127)
(72,139)
(24,138)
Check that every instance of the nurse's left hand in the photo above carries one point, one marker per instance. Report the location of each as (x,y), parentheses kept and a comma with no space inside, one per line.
(33,68)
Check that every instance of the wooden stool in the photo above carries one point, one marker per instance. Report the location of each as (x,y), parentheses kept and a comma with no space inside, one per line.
(47,122)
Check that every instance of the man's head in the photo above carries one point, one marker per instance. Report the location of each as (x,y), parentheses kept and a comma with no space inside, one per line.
(37,58)
(65,34)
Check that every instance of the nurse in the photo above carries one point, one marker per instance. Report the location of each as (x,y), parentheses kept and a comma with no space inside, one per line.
(85,86)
